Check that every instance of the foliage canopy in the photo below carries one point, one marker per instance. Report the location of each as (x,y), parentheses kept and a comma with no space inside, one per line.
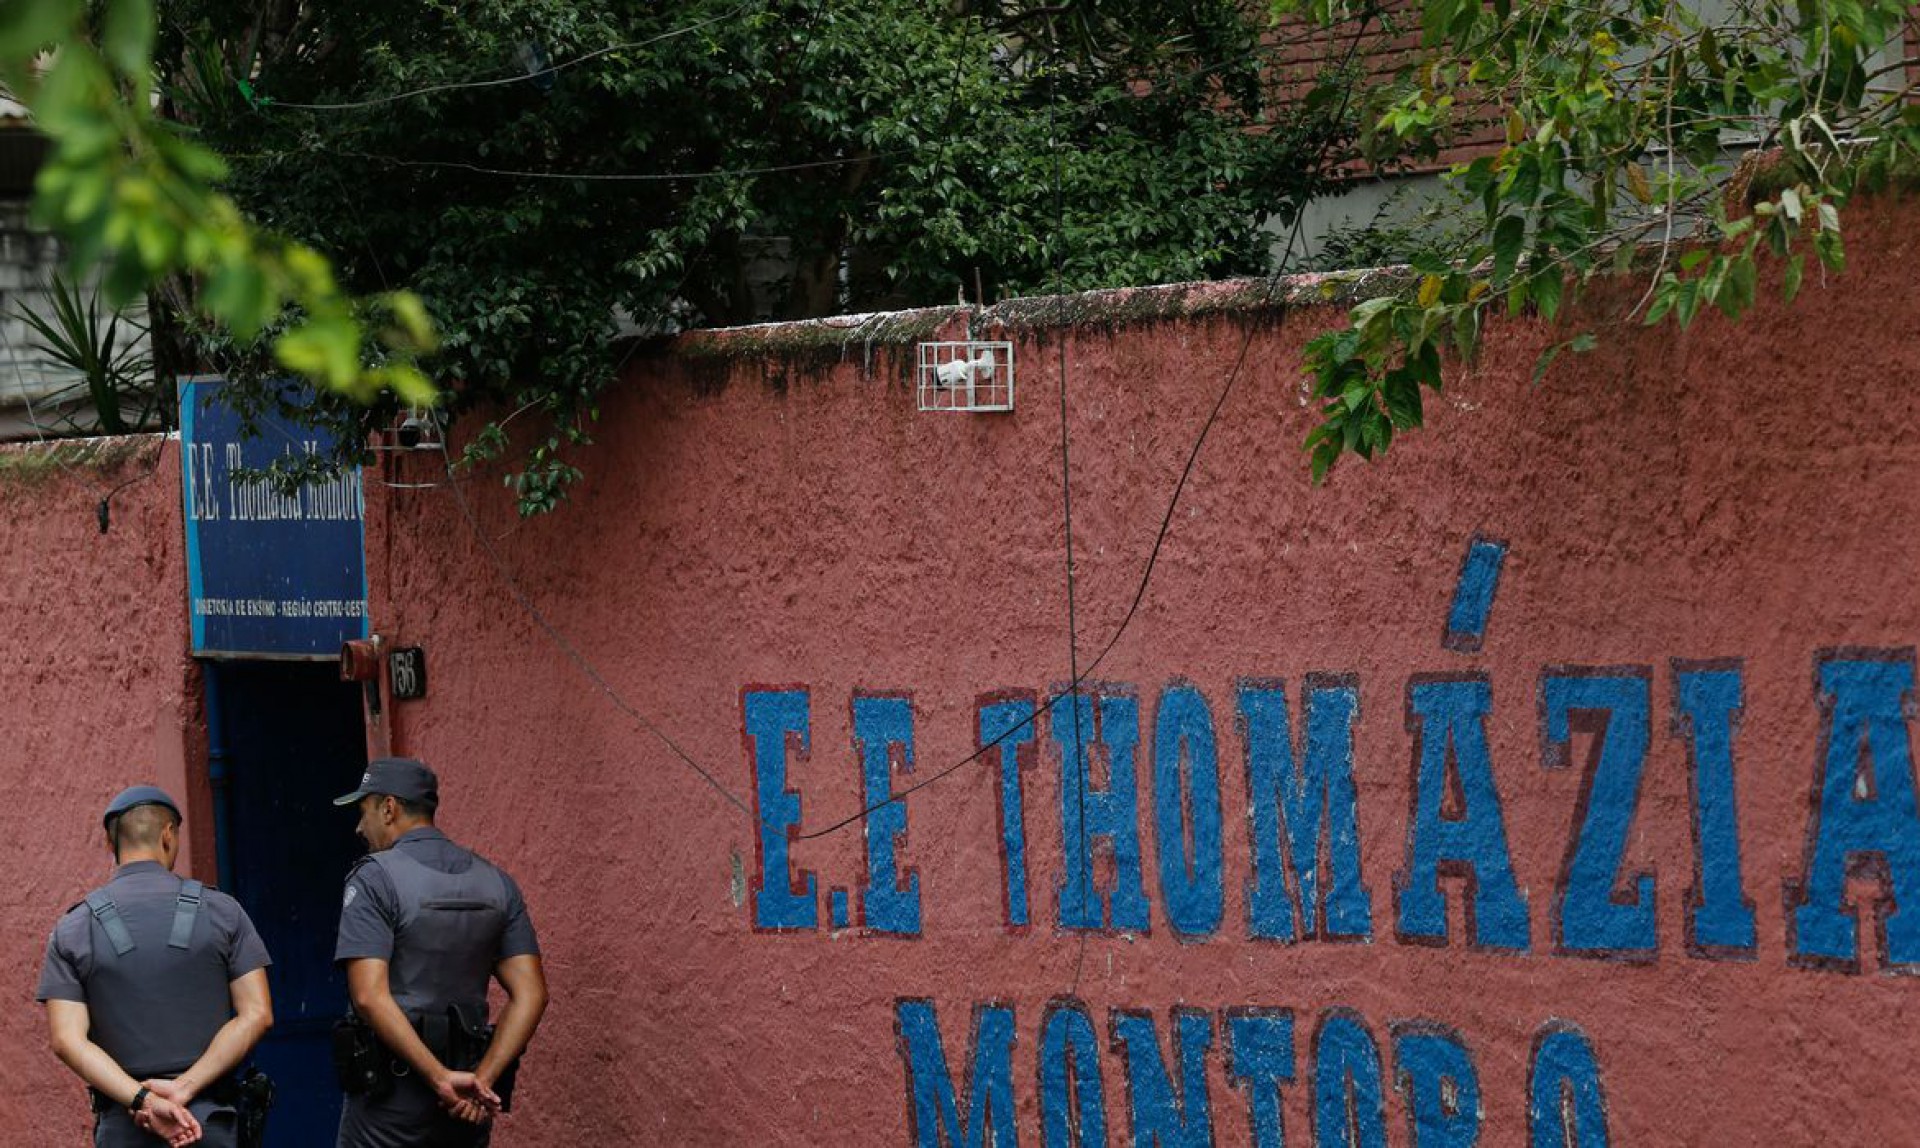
(1621,122)
(538,171)
(516,182)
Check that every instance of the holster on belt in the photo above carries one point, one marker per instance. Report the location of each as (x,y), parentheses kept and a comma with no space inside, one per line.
(458,1037)
(228,1091)
(361,1064)
(468,1038)
(253,1096)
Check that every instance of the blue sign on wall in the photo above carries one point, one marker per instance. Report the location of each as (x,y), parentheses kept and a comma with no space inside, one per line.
(269,575)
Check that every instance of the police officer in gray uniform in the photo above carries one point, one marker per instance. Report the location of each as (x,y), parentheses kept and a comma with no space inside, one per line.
(423,925)
(156,989)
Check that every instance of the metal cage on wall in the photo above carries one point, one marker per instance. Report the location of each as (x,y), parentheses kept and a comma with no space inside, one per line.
(966,376)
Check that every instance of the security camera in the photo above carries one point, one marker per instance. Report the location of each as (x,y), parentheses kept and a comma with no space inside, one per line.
(419,430)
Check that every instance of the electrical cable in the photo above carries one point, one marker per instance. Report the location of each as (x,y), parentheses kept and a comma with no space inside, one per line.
(517,78)
(1166,521)
(1081,764)
(623,177)
(1079,676)
(566,647)
(103,512)
(1123,93)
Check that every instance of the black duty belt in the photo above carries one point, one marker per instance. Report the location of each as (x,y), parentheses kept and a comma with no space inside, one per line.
(224,1092)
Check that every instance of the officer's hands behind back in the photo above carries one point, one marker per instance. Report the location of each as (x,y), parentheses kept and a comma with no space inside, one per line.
(167,1120)
(462,1095)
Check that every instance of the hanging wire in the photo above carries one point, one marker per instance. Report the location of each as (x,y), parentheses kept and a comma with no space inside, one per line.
(1116,96)
(1166,520)
(517,78)
(566,647)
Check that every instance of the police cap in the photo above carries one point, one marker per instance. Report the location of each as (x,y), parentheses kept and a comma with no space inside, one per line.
(403,777)
(137,795)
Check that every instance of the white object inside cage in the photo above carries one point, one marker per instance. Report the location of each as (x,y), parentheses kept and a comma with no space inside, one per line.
(966,376)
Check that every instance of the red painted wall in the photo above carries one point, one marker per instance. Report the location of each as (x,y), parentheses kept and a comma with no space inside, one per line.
(100,694)
(785,519)
(1735,492)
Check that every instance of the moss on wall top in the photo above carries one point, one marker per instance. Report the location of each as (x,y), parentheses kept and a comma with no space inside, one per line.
(815,346)
(31,463)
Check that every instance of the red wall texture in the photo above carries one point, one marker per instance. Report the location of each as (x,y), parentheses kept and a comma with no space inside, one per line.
(768,529)
(100,694)
(1741,496)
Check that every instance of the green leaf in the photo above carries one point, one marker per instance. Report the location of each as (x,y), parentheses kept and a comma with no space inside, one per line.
(1796,267)
(1687,304)
(1662,303)
(1323,456)
(27,26)
(1509,235)
(1466,333)
(1547,288)
(1710,53)
(1832,253)
(323,349)
(1364,313)
(1742,283)
(1545,361)
(237,295)
(127,37)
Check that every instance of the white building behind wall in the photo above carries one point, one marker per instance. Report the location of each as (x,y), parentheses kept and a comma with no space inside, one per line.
(39,397)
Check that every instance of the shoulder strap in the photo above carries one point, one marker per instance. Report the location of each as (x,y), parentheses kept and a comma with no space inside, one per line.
(392,860)
(108,914)
(185,909)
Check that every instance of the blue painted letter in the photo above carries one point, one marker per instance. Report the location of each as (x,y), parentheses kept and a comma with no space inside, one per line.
(1346,1082)
(1866,818)
(1448,720)
(1706,704)
(1008,725)
(1435,1073)
(773,716)
(1566,1107)
(879,724)
(1073,1111)
(933,1111)
(1260,1055)
(1159,1118)
(1087,813)
(1187,799)
(1299,802)
(1591,918)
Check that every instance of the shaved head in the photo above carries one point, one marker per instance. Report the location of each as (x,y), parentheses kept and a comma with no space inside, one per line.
(139,828)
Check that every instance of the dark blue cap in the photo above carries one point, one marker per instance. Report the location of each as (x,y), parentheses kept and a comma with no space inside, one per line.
(137,795)
(402,777)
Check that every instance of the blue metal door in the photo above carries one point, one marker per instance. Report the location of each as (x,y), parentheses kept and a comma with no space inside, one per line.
(288,739)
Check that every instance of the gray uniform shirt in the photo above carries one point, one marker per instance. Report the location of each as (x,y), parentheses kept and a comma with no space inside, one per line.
(370,913)
(376,922)
(155,1009)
